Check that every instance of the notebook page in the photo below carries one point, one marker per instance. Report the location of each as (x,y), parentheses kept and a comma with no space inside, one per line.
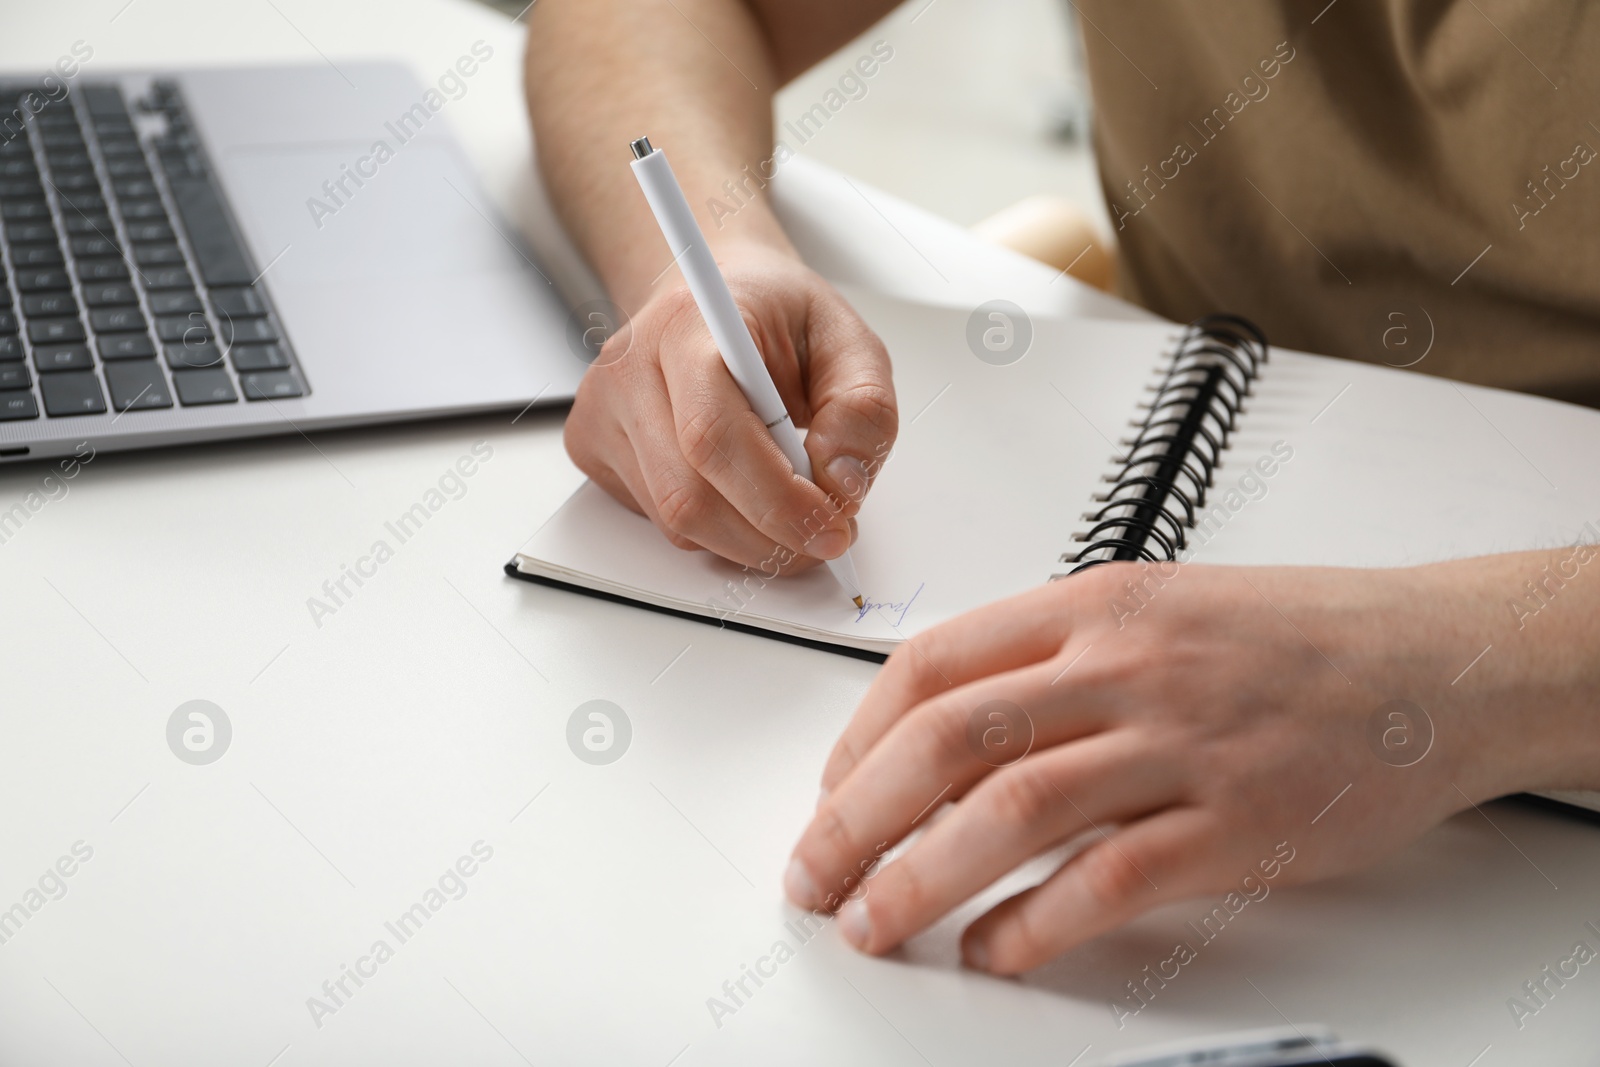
(993,470)
(1391,468)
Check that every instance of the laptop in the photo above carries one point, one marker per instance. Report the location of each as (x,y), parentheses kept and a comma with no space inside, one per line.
(205,254)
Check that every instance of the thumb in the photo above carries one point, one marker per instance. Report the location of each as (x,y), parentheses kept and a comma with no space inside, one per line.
(854,416)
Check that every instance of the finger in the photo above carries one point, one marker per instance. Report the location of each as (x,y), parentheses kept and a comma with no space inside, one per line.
(621,490)
(601,450)
(998,637)
(1168,856)
(592,436)
(635,492)
(928,757)
(682,502)
(850,387)
(780,562)
(1007,819)
(729,446)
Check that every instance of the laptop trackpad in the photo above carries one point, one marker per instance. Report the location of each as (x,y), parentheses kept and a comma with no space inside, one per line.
(343,212)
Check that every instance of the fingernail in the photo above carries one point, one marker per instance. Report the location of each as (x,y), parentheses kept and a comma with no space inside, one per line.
(977,955)
(855,923)
(829,544)
(849,474)
(798,886)
(822,796)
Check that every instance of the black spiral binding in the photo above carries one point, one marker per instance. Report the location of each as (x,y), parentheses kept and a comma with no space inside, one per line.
(1169,463)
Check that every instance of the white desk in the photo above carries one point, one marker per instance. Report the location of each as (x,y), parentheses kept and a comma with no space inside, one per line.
(371,752)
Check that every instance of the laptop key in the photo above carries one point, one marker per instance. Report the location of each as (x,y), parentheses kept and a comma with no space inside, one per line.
(179,162)
(65,159)
(134,210)
(96,223)
(48,255)
(77,393)
(238,303)
(167,278)
(109,294)
(117,320)
(100,270)
(31,233)
(125,346)
(175,302)
(43,305)
(249,358)
(24,210)
(8,320)
(89,247)
(186,356)
(139,386)
(140,232)
(17,406)
(55,331)
(10,349)
(53,358)
(204,387)
(36,256)
(42,280)
(221,259)
(50,304)
(105,100)
(59,137)
(190,329)
(82,202)
(271,385)
(247,331)
(76,180)
(14,376)
(157,255)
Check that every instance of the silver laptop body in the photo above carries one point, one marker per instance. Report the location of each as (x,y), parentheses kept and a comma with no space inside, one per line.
(256,251)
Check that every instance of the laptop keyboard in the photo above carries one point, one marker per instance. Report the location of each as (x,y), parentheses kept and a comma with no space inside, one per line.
(123,282)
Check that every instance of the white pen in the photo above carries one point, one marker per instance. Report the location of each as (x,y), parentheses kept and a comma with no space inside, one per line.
(688,243)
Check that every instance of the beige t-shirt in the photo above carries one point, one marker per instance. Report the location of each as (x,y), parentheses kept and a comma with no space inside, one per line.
(1413,182)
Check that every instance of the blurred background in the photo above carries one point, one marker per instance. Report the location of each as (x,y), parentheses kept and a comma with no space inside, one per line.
(982,105)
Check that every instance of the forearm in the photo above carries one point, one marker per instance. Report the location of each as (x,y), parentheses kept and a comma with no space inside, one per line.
(695,75)
(1532,701)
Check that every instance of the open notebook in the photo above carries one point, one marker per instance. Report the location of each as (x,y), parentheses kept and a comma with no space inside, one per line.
(1094,444)
(1002,471)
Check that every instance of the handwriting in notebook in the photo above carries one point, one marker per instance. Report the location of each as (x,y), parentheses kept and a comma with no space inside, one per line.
(894,612)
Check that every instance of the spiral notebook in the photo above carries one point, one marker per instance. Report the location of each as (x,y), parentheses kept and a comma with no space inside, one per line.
(1092,440)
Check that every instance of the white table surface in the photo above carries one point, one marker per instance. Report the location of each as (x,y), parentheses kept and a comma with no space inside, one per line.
(372,751)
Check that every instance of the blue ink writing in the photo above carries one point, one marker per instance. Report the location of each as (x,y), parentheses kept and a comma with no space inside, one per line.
(898,608)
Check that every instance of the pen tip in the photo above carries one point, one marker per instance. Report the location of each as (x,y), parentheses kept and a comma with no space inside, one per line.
(859,602)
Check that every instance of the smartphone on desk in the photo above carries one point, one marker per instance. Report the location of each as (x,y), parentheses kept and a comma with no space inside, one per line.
(1278,1047)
